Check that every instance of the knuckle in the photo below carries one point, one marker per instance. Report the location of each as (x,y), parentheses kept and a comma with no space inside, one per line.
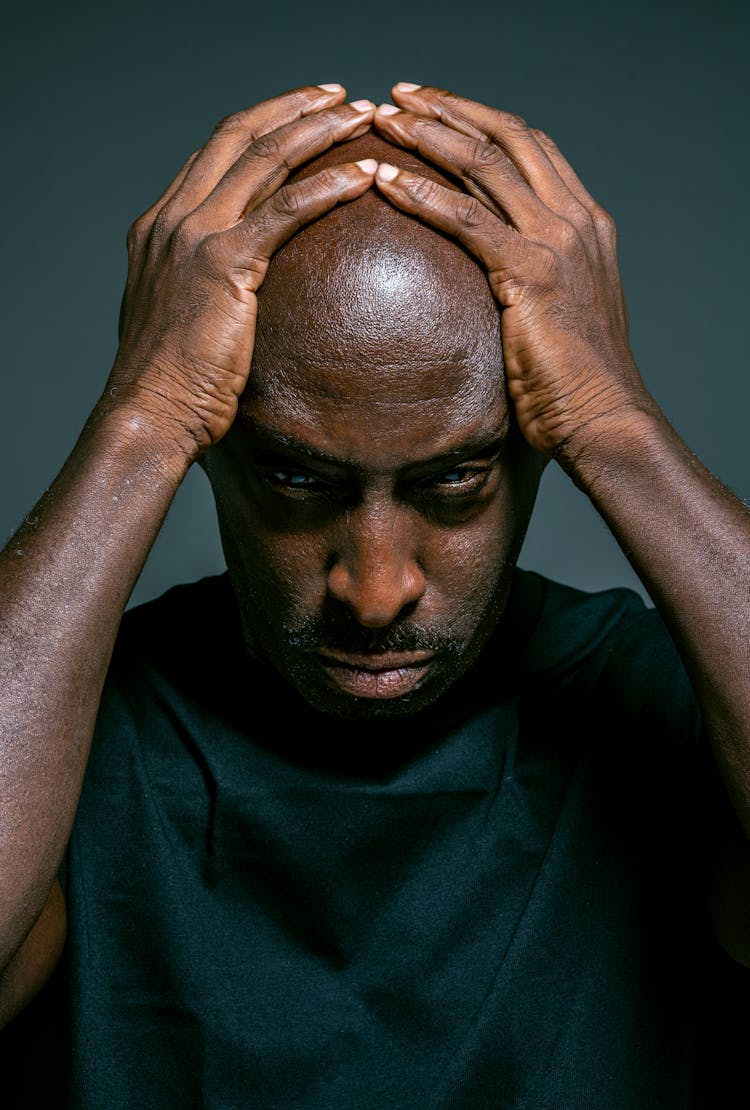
(543,139)
(603,221)
(428,193)
(235,121)
(455,110)
(210,255)
(187,235)
(328,180)
(289,202)
(328,124)
(293,100)
(568,236)
(471,214)
(320,128)
(509,121)
(268,147)
(445,97)
(137,233)
(239,127)
(297,99)
(487,155)
(162,226)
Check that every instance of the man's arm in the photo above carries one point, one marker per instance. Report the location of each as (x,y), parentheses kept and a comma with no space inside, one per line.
(196,259)
(550,254)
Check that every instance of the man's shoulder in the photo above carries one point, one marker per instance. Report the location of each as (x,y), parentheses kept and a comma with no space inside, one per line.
(189,638)
(606,649)
(186,605)
(183,618)
(558,626)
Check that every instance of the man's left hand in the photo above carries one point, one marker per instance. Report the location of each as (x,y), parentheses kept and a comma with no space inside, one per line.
(550,254)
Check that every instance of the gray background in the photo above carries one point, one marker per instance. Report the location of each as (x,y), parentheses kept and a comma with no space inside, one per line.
(648,101)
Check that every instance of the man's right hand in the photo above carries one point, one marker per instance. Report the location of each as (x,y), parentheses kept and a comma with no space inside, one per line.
(198,256)
(187,329)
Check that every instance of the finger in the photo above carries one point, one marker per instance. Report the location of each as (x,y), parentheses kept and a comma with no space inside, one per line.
(465,218)
(247,247)
(504,128)
(604,225)
(454,111)
(565,171)
(140,227)
(138,235)
(265,165)
(487,171)
(236,132)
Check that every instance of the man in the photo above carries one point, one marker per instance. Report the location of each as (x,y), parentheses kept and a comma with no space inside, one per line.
(400,826)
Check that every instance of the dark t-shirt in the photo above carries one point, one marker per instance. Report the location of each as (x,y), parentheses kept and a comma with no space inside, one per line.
(499,902)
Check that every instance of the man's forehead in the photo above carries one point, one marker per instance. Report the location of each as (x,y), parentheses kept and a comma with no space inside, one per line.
(390,430)
(372,375)
(381,392)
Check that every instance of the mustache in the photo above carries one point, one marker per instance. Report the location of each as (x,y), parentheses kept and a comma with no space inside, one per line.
(350,637)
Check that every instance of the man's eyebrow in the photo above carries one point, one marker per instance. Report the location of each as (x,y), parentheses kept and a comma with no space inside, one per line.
(270,441)
(486,446)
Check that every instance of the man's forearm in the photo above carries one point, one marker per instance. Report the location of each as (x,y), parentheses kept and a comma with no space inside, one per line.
(196,260)
(688,538)
(551,257)
(65,578)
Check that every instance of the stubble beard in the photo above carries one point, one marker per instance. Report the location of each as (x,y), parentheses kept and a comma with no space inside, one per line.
(295,643)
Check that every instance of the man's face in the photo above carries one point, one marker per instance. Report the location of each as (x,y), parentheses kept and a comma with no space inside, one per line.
(372,499)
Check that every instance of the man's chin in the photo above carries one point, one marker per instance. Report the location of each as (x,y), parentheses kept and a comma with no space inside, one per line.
(383,704)
(345,707)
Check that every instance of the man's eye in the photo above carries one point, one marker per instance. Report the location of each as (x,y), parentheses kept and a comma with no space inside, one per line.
(462,479)
(296,480)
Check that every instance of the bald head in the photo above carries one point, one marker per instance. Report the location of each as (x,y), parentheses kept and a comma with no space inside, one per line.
(372,290)
(374,493)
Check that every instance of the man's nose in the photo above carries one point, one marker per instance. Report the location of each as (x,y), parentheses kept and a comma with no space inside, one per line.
(375,570)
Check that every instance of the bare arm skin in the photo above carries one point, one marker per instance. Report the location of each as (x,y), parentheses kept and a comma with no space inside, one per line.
(550,254)
(197,258)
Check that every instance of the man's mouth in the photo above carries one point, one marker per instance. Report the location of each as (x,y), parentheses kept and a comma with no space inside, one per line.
(376,675)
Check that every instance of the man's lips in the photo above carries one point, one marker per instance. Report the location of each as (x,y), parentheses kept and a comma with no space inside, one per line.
(384,675)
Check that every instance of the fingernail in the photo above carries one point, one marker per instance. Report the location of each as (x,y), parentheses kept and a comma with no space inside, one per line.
(387,172)
(333,87)
(362,105)
(369,165)
(407,86)
(388,109)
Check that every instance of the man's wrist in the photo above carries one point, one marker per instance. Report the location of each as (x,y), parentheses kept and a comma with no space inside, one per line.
(140,437)
(609,442)
(154,420)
